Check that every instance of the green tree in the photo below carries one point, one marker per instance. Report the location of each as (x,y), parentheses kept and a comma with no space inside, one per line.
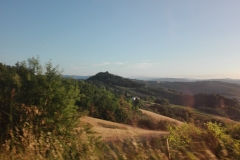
(39,96)
(9,85)
(136,104)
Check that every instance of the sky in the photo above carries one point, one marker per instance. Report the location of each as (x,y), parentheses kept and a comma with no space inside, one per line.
(136,38)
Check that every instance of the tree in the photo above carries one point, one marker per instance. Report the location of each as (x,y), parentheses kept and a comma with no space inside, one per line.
(136,104)
(9,85)
(39,96)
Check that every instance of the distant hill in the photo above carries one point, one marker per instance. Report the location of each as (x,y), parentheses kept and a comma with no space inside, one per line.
(230,90)
(228,80)
(173,80)
(206,96)
(112,79)
(139,79)
(76,77)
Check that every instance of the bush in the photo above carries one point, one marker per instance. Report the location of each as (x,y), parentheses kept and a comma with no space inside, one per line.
(38,115)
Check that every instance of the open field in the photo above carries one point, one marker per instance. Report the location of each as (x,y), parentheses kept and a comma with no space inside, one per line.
(110,131)
(159,117)
(116,131)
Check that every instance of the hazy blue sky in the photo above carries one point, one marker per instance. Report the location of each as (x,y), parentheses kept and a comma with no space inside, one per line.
(158,38)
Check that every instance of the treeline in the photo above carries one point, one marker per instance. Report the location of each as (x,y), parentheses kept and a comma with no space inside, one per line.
(30,92)
(111,79)
(213,104)
(38,115)
(40,110)
(184,114)
(101,103)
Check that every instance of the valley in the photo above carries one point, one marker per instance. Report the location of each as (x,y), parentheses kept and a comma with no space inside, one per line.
(110,117)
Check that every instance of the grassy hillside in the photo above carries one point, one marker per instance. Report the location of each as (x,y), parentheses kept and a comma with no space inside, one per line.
(187,141)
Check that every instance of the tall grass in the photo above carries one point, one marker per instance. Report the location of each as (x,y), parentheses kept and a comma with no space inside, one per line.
(211,142)
(24,144)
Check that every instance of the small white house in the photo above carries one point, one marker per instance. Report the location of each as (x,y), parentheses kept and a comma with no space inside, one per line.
(134,98)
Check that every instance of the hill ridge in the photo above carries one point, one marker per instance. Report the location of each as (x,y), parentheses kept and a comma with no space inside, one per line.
(112,79)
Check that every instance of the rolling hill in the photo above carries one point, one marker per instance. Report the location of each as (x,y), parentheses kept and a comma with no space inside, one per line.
(112,79)
(229,90)
(110,131)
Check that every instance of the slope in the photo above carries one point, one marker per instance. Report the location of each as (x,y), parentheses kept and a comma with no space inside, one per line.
(112,79)
(211,87)
(111,131)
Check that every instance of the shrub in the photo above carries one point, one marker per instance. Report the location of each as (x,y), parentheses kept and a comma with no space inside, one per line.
(38,113)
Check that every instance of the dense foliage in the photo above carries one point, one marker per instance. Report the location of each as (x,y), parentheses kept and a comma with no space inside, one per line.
(185,114)
(38,113)
(30,93)
(103,104)
(213,141)
(111,79)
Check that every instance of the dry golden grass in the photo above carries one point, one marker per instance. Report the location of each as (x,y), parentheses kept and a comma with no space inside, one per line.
(128,142)
(226,120)
(110,131)
(158,117)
